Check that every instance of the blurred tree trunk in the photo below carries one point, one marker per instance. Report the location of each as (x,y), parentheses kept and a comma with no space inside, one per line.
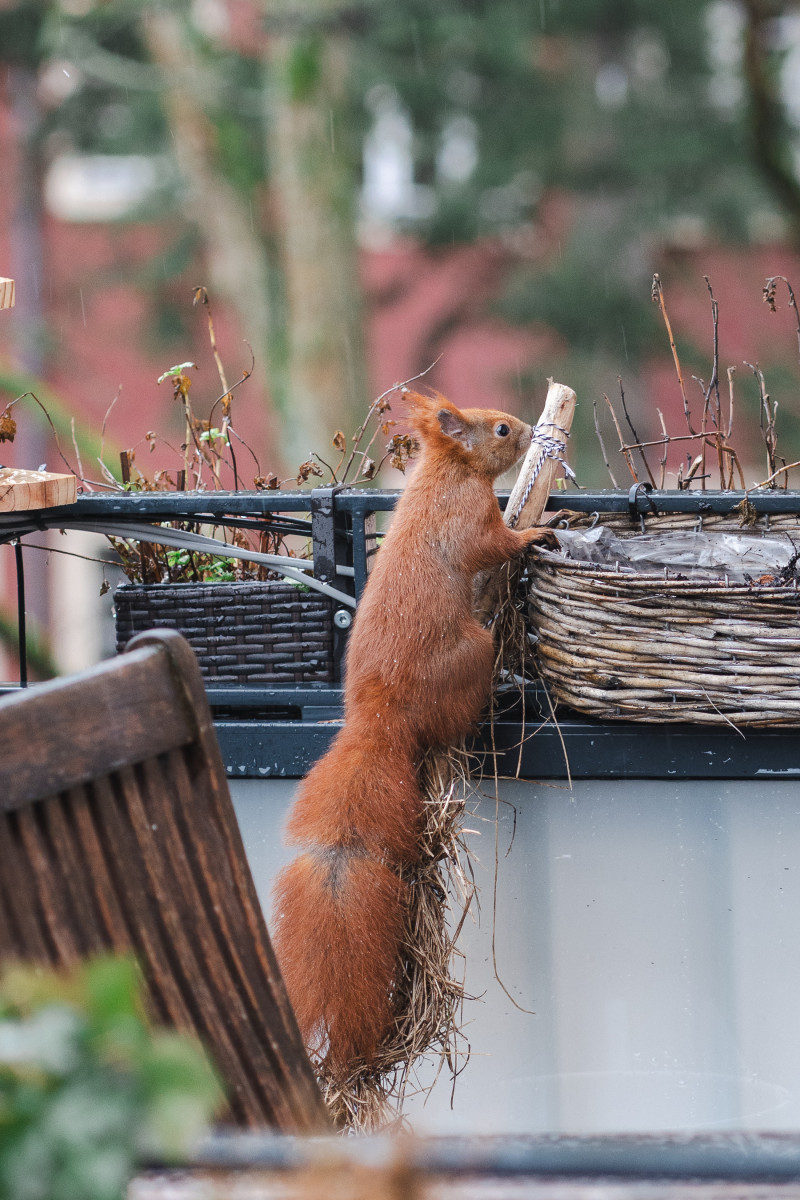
(772,138)
(237,259)
(313,176)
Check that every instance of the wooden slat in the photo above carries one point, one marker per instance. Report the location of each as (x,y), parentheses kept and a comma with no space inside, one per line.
(74,874)
(102,720)
(187,969)
(252,962)
(137,903)
(45,877)
(7,296)
(116,931)
(11,944)
(206,878)
(21,490)
(22,902)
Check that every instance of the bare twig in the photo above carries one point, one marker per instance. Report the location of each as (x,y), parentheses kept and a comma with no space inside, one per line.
(201,297)
(770,288)
(713,386)
(374,408)
(633,431)
(663,460)
(624,450)
(768,410)
(77,453)
(602,446)
(33,396)
(657,295)
(780,471)
(731,373)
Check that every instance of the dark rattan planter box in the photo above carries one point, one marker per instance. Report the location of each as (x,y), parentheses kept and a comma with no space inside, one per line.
(244,633)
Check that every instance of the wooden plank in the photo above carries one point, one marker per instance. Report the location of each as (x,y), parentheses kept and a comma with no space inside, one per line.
(75,729)
(222,863)
(6,292)
(265,1031)
(74,886)
(23,490)
(23,906)
(117,934)
(137,906)
(221,994)
(42,869)
(11,944)
(186,969)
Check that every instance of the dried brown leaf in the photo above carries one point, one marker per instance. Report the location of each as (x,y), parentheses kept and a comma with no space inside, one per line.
(268,483)
(8,428)
(400,449)
(307,469)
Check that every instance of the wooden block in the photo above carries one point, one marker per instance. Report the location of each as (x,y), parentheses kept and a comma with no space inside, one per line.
(6,293)
(21,490)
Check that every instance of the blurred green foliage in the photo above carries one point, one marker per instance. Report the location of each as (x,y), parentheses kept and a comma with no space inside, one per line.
(87,1088)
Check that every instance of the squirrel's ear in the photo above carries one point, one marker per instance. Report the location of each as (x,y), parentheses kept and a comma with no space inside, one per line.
(454,425)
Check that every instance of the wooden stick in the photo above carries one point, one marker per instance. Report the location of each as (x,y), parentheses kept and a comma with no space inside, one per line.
(536,475)
(529,496)
(6,292)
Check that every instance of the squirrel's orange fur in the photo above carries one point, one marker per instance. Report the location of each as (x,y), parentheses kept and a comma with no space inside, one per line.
(417,674)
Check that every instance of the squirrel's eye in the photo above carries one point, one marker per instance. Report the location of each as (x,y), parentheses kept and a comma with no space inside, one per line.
(502,430)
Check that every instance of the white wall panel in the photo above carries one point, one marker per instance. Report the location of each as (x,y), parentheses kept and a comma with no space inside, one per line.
(652,927)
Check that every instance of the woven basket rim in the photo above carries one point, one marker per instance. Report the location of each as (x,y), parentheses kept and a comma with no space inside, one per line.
(662,579)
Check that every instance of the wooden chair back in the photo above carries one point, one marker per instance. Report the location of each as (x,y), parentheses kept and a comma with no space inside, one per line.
(117,833)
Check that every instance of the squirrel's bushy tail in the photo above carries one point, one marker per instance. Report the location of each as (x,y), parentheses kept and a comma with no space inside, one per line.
(339,931)
(340,907)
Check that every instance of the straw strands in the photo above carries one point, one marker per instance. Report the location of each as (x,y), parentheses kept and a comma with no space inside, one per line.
(429,990)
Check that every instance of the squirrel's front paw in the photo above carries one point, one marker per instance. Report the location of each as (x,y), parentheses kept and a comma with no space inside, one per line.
(540,535)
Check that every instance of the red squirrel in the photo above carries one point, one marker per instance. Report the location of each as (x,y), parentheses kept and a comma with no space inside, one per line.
(418,672)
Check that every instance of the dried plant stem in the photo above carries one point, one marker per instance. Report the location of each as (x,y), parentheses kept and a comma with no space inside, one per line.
(770,288)
(201,297)
(633,431)
(375,408)
(662,462)
(49,420)
(658,298)
(731,373)
(713,391)
(768,412)
(624,450)
(603,447)
(780,471)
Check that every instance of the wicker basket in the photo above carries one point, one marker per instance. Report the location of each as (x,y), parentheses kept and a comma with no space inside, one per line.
(647,647)
(249,632)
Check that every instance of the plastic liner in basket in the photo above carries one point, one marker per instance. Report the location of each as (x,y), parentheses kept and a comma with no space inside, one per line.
(694,554)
